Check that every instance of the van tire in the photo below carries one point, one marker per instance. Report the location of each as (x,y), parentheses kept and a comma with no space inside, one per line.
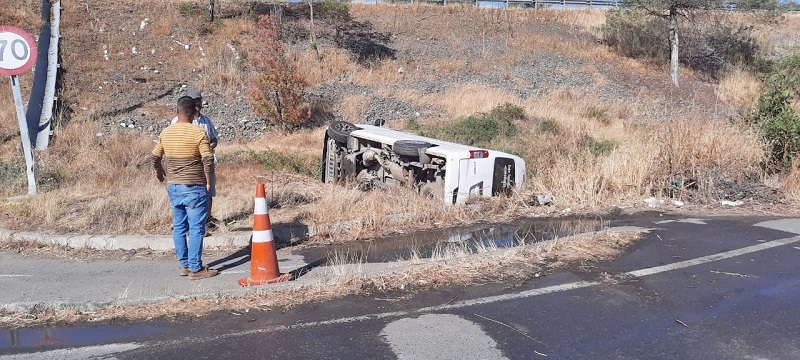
(409,147)
(339,131)
(331,161)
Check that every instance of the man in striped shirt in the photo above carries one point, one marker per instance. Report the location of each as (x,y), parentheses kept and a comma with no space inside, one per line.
(188,167)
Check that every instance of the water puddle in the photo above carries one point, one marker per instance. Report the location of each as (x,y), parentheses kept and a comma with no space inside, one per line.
(471,239)
(72,336)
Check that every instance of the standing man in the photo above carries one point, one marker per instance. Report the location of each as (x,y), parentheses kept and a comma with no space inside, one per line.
(188,168)
(211,132)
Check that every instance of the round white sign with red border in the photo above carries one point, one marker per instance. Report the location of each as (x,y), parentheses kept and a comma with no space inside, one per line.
(17,50)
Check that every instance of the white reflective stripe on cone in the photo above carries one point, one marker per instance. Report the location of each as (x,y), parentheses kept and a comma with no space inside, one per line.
(262,236)
(261,206)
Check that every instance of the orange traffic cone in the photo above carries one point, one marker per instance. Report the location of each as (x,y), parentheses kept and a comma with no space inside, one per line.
(263,259)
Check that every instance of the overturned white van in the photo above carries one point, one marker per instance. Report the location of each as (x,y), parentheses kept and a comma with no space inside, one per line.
(375,156)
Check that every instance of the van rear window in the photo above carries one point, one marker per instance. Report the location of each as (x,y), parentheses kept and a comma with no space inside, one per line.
(503,177)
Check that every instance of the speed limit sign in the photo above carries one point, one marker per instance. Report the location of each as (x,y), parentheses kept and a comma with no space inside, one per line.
(17,51)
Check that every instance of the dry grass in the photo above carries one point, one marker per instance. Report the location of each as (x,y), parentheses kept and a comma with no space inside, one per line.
(9,127)
(588,151)
(781,36)
(21,13)
(467,99)
(346,275)
(354,106)
(333,63)
(739,89)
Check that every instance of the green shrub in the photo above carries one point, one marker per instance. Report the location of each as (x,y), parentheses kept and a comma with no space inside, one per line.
(301,164)
(479,129)
(475,129)
(549,126)
(12,176)
(508,112)
(710,49)
(218,23)
(413,125)
(333,6)
(635,35)
(598,148)
(189,9)
(599,114)
(774,116)
(49,179)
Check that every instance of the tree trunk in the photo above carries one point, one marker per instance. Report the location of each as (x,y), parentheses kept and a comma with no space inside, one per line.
(45,121)
(313,37)
(211,10)
(673,39)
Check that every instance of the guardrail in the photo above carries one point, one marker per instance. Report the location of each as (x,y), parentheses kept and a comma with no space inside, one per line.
(508,3)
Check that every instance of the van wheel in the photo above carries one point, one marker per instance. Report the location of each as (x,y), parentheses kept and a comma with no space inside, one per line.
(409,147)
(331,161)
(340,131)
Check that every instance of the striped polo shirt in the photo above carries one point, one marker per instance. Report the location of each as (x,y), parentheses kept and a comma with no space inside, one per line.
(186,154)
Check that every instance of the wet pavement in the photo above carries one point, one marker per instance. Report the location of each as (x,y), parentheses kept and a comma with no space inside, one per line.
(473,238)
(733,305)
(74,335)
(35,284)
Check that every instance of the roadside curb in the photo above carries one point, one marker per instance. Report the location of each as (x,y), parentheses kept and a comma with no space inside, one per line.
(93,305)
(164,242)
(123,242)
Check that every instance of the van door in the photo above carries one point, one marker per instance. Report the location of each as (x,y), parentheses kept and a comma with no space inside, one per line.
(474,178)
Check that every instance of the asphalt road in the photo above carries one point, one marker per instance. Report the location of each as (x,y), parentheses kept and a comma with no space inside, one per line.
(722,288)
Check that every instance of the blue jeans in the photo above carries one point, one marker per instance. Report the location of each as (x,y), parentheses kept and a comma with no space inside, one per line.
(189,208)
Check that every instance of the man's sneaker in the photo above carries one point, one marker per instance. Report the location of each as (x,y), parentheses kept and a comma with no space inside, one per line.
(183,271)
(203,273)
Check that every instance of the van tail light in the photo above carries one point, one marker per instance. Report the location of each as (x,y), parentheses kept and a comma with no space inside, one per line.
(478,154)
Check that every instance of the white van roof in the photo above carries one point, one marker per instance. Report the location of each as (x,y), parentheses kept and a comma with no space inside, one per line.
(389,136)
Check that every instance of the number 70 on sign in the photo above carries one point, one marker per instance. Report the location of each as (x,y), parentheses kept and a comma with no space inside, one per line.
(17,51)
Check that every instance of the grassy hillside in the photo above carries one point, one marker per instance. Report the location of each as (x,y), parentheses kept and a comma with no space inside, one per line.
(598,129)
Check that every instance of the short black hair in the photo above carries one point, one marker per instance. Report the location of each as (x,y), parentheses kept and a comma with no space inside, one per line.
(186,106)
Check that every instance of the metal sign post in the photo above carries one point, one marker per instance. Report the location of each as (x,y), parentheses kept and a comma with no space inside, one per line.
(17,55)
(23,132)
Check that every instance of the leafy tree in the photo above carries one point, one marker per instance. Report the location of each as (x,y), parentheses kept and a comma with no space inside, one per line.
(670,10)
(277,90)
(776,115)
(706,45)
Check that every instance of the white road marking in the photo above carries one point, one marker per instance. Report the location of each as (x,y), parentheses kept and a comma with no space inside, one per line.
(797,247)
(15,275)
(424,338)
(715,257)
(76,353)
(524,294)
